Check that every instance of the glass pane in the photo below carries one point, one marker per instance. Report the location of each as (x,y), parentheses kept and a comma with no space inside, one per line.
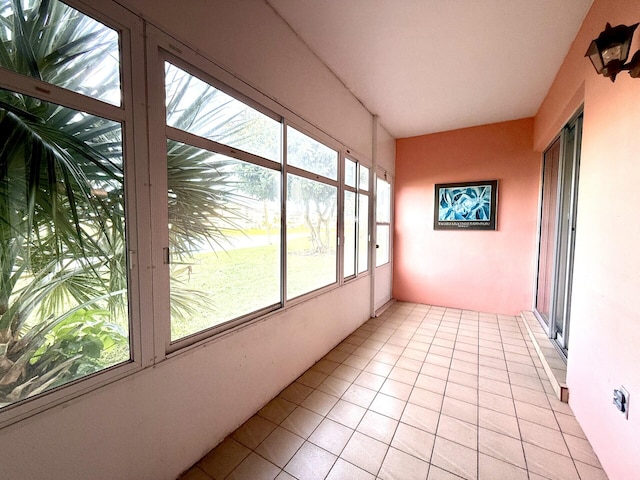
(349,173)
(383,204)
(563,263)
(548,224)
(563,235)
(224,235)
(53,42)
(63,272)
(363,233)
(311,155)
(349,233)
(363,180)
(382,252)
(311,235)
(198,108)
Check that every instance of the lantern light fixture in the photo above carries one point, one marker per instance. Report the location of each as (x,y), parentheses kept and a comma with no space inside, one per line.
(609,52)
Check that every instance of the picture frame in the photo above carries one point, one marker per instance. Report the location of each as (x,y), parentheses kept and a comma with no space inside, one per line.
(466,205)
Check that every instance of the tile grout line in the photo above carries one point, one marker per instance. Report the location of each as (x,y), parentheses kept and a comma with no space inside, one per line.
(562,433)
(478,402)
(398,323)
(378,392)
(413,386)
(441,403)
(367,409)
(513,401)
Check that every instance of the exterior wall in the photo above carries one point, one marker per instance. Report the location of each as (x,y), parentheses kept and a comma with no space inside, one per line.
(156,423)
(479,270)
(604,340)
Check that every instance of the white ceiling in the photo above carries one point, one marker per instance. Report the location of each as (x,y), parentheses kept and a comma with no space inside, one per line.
(426,66)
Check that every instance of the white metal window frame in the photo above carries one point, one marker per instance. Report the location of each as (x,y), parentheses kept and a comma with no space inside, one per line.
(383,175)
(357,191)
(160,48)
(144,48)
(131,115)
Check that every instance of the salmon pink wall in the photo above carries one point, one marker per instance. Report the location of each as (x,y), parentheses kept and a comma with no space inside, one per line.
(479,270)
(604,343)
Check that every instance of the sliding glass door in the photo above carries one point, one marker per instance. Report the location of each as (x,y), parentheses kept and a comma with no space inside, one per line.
(557,233)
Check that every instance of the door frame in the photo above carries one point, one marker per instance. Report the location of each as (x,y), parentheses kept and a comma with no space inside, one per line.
(560,274)
(383,277)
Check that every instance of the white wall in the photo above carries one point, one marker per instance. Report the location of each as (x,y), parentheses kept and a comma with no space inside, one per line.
(386,150)
(158,422)
(250,40)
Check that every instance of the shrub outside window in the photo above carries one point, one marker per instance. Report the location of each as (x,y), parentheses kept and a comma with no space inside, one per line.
(64,311)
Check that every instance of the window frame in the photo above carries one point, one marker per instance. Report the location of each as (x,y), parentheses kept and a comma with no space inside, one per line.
(203,143)
(143,50)
(130,114)
(382,176)
(160,48)
(306,174)
(357,190)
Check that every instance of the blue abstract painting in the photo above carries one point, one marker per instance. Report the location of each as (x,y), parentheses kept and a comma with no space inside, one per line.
(466,205)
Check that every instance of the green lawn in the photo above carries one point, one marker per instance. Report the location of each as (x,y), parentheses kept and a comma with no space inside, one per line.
(243,280)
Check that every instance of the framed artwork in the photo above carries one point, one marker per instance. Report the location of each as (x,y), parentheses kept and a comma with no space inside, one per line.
(466,205)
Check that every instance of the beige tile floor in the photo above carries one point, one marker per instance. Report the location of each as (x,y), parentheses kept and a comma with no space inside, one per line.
(420,392)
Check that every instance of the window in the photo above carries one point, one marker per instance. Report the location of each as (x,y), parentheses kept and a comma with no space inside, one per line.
(308,154)
(383,221)
(312,222)
(350,233)
(356,218)
(61,46)
(201,109)
(311,235)
(363,219)
(231,214)
(225,175)
(64,297)
(224,212)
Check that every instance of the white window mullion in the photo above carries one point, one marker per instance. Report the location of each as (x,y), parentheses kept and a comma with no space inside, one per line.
(158,187)
(206,144)
(140,212)
(58,95)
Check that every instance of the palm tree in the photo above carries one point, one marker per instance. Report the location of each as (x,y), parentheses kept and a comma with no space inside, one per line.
(63,273)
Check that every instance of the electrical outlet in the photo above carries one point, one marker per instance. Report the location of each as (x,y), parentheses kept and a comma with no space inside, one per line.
(621,400)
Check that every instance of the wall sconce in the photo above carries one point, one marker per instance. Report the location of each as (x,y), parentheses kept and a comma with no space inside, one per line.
(610,50)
